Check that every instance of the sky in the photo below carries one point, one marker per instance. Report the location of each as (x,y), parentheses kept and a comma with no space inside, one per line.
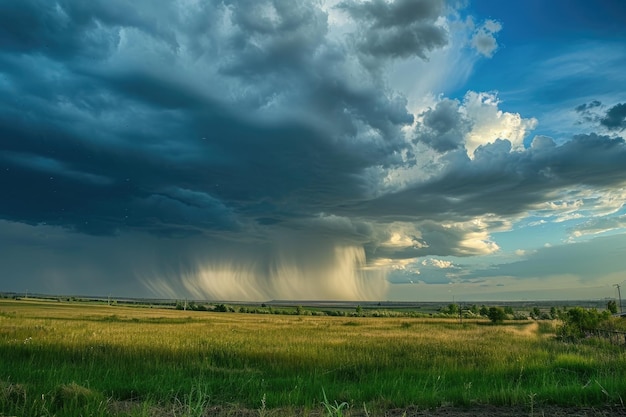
(254,150)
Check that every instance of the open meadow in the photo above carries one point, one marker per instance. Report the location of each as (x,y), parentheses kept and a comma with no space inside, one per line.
(73,359)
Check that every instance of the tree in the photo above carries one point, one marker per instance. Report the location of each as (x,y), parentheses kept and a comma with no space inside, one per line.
(359,310)
(612,306)
(221,308)
(554,313)
(452,309)
(578,322)
(535,313)
(496,314)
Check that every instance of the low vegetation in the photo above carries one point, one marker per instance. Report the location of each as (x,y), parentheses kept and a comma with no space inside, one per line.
(68,359)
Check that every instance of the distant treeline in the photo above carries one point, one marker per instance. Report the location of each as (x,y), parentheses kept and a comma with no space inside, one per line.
(494,313)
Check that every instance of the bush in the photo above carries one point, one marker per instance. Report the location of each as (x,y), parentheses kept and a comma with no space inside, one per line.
(535,313)
(612,306)
(579,322)
(12,393)
(73,395)
(496,314)
(520,316)
(452,309)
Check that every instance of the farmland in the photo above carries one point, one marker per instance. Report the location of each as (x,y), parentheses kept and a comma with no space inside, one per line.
(71,359)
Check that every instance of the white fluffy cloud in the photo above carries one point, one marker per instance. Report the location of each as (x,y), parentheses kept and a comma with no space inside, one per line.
(489,123)
(476,121)
(438,263)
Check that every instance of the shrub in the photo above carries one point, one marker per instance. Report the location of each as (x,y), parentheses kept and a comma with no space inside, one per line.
(612,306)
(450,309)
(579,322)
(12,393)
(73,395)
(221,308)
(496,314)
(520,316)
(535,313)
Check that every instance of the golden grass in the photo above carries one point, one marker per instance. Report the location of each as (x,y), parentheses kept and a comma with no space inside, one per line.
(124,351)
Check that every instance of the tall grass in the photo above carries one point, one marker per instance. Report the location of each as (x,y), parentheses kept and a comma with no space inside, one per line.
(56,359)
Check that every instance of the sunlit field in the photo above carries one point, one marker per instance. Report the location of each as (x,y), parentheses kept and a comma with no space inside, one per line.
(72,359)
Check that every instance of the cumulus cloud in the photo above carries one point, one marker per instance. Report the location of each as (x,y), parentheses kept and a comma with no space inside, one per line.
(443,127)
(476,121)
(484,38)
(612,119)
(505,183)
(490,123)
(615,118)
(438,263)
(398,29)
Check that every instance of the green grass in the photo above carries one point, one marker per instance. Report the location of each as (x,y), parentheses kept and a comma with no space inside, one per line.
(61,359)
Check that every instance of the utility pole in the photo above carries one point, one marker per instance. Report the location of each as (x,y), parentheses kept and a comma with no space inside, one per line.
(619,294)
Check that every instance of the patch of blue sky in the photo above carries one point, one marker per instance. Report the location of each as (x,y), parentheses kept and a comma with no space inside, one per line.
(552,57)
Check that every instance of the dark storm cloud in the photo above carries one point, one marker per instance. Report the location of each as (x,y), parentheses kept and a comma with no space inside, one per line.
(42,26)
(152,181)
(250,128)
(71,31)
(506,183)
(398,29)
(444,127)
(101,140)
(273,36)
(615,118)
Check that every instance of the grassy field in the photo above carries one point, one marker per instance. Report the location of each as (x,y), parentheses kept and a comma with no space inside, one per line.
(69,359)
